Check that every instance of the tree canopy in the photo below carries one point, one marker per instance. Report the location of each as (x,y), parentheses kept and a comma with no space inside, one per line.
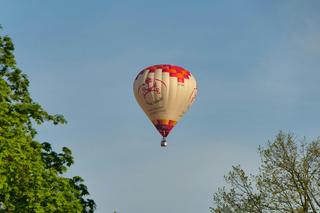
(31,173)
(288,180)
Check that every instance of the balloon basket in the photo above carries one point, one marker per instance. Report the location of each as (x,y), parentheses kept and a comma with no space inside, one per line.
(164,142)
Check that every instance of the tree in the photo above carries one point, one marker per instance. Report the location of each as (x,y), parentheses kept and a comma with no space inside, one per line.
(31,173)
(288,180)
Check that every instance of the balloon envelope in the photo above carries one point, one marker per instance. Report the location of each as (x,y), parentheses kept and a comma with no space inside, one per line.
(165,93)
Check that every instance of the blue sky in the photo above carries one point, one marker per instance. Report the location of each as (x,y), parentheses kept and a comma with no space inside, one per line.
(257,67)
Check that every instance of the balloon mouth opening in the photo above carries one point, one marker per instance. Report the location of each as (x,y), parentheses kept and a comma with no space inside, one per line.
(164,127)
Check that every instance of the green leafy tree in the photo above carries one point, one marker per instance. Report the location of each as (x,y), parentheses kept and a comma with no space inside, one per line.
(31,173)
(288,180)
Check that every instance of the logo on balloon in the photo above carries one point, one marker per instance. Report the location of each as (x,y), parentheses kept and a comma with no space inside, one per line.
(151,90)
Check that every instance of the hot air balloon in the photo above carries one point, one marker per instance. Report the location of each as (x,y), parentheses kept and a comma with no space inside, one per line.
(165,93)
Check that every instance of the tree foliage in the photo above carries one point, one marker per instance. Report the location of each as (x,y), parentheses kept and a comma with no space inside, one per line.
(288,180)
(31,172)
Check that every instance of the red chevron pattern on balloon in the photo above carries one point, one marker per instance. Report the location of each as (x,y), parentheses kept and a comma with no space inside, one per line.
(175,71)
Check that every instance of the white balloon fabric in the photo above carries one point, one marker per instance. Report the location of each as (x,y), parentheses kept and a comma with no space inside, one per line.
(165,93)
